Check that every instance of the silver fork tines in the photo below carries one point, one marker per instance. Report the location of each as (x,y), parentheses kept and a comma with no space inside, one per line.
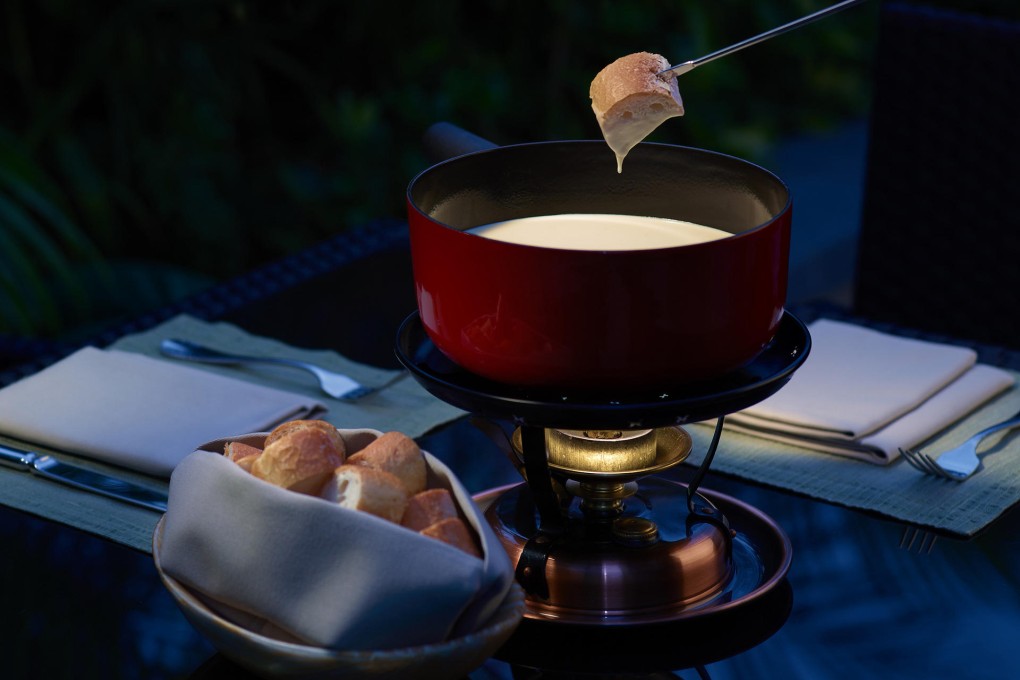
(958,463)
(924,463)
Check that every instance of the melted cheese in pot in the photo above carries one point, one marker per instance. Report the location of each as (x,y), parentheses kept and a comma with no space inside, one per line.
(599,232)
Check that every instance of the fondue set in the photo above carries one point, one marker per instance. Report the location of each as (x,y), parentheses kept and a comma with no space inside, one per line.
(595,357)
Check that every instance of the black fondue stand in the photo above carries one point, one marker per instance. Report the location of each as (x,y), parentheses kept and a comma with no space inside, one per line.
(540,512)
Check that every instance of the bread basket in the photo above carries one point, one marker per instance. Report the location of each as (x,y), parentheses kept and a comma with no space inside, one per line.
(269,657)
(353,605)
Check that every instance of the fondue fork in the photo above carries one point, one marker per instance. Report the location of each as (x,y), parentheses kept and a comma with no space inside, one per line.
(961,462)
(797,23)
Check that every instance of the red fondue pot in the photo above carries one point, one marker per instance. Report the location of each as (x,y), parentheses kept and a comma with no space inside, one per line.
(634,319)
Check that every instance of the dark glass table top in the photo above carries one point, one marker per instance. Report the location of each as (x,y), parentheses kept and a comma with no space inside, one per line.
(865,597)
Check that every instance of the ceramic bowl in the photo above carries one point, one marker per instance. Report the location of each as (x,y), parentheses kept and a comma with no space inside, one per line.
(270,657)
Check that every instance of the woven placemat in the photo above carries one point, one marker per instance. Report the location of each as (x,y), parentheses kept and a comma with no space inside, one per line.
(896,491)
(94,514)
(403,405)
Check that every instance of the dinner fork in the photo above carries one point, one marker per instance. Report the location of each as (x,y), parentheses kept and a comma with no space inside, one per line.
(958,463)
(334,384)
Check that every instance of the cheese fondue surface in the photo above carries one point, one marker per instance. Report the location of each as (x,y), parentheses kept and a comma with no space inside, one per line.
(599,232)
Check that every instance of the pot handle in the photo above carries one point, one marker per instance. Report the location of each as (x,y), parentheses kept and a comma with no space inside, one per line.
(446,140)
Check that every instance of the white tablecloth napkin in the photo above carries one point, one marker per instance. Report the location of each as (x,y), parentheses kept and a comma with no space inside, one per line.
(865,394)
(138,412)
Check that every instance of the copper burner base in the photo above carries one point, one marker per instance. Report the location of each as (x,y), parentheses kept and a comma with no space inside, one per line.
(694,567)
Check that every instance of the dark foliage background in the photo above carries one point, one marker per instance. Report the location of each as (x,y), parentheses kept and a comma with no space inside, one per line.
(149,148)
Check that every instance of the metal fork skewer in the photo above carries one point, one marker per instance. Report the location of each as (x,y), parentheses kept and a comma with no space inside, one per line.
(796,23)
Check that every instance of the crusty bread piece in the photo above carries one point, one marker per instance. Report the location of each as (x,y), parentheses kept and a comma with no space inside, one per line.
(294,425)
(428,507)
(631,99)
(301,460)
(235,451)
(397,454)
(368,490)
(453,531)
(247,463)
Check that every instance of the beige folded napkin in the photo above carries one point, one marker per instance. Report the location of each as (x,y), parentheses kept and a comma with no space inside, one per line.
(295,566)
(138,412)
(865,394)
(404,405)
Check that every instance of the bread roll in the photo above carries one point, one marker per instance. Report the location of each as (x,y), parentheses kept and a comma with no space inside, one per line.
(398,455)
(427,508)
(235,451)
(631,99)
(301,460)
(368,490)
(454,532)
(295,425)
(247,463)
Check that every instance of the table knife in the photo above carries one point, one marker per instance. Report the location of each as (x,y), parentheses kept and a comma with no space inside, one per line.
(50,468)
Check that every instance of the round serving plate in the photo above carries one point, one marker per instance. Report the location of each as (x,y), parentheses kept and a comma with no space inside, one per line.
(761,557)
(609,407)
(750,608)
(647,650)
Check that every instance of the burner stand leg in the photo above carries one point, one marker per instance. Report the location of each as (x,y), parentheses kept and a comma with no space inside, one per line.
(530,571)
(536,465)
(704,508)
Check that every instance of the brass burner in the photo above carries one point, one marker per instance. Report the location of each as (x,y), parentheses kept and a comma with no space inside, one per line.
(621,550)
(672,445)
(601,450)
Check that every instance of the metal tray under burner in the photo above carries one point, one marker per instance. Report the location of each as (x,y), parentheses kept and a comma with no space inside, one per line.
(552,407)
(760,558)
